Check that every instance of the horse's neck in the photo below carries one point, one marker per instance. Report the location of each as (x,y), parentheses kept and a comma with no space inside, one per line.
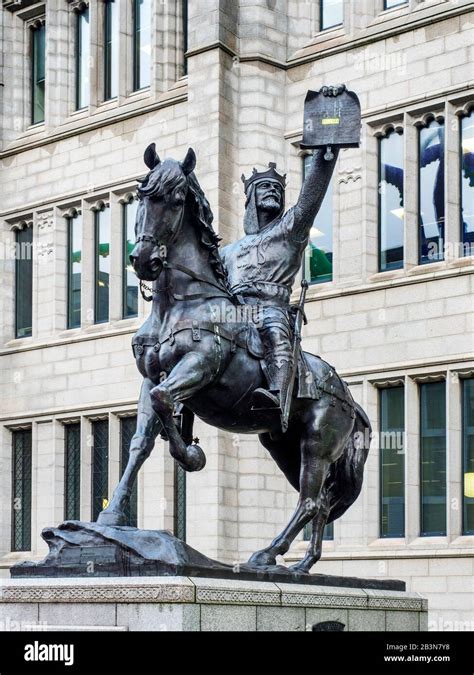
(189,252)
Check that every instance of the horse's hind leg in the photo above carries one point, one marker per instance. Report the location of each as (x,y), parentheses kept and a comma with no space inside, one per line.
(323,438)
(315,546)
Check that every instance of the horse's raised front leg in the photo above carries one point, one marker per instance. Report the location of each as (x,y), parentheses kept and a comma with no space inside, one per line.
(190,375)
(322,441)
(143,441)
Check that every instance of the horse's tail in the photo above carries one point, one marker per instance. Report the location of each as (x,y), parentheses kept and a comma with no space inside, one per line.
(344,481)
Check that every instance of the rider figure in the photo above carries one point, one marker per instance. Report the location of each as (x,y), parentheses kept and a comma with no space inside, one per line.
(262,266)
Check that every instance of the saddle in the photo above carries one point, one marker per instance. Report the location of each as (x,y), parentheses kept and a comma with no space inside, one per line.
(308,385)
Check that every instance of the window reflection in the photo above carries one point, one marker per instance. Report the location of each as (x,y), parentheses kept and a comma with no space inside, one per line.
(332,13)
(82,59)
(102,267)
(433,458)
(130,281)
(467,183)
(74,270)
(468,455)
(38,74)
(431,192)
(111,49)
(319,254)
(392,462)
(142,43)
(391,207)
(24,283)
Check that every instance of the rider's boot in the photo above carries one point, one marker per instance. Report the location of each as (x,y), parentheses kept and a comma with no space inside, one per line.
(263,399)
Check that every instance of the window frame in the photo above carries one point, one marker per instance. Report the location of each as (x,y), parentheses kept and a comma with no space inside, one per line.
(70,222)
(323,28)
(420,459)
(125,262)
(94,474)
(331,187)
(18,261)
(462,117)
(25,525)
(132,510)
(400,535)
(68,428)
(398,4)
(97,265)
(441,121)
(108,46)
(78,58)
(179,506)
(136,43)
(464,532)
(380,139)
(34,32)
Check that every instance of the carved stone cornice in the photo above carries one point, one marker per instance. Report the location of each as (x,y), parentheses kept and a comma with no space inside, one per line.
(99,205)
(424,120)
(71,212)
(78,6)
(127,198)
(22,224)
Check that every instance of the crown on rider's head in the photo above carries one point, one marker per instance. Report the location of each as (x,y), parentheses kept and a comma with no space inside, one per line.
(271,174)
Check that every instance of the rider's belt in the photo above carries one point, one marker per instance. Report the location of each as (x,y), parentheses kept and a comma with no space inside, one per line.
(263,293)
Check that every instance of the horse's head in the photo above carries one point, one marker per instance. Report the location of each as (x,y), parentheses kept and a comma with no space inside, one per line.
(160,212)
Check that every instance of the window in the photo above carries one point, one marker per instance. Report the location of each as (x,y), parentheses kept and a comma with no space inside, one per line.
(392,462)
(433,458)
(110,49)
(467,183)
(128,426)
(24,282)
(328,532)
(468,456)
(130,281)
(331,13)
(74,264)
(389,4)
(72,471)
(141,43)
(37,73)
(100,467)
(21,490)
(102,264)
(179,502)
(82,59)
(319,254)
(185,35)
(431,193)
(391,211)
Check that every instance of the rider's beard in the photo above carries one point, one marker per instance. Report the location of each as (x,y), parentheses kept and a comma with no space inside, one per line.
(271,205)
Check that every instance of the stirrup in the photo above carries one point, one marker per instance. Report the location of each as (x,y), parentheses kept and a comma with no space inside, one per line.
(262,399)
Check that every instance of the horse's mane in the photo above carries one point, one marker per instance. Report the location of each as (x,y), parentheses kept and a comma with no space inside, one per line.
(168,178)
(203,219)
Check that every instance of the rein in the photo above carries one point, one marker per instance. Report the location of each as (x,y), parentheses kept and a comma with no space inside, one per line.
(191,273)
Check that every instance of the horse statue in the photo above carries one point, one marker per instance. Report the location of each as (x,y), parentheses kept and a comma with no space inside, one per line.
(196,360)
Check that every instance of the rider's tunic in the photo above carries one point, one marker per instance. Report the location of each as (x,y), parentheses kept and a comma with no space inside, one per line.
(261,269)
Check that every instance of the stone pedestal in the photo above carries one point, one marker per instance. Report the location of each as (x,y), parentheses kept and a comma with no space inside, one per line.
(202,604)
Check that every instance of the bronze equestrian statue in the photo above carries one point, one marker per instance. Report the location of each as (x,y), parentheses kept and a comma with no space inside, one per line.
(235,375)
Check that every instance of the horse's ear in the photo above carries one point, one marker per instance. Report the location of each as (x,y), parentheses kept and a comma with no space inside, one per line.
(150,157)
(189,162)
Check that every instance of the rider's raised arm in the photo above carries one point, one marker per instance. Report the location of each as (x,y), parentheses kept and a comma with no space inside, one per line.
(312,193)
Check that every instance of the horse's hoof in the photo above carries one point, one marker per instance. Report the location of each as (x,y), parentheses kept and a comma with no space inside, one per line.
(262,559)
(195,458)
(111,518)
(303,566)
